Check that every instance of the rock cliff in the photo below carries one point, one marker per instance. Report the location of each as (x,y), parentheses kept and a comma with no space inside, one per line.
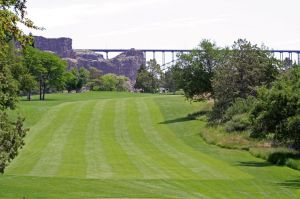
(125,64)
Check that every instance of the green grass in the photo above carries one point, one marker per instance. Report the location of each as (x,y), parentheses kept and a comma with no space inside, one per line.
(123,145)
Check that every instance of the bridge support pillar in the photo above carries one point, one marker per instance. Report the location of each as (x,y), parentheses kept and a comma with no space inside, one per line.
(106,55)
(145,57)
(163,58)
(298,58)
(153,55)
(173,57)
(291,57)
(281,56)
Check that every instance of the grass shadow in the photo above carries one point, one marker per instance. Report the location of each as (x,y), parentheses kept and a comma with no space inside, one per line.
(195,115)
(189,117)
(295,184)
(280,158)
(181,119)
(255,164)
(38,100)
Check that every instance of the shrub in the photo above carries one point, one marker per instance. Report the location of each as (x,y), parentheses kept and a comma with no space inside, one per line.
(237,115)
(277,110)
(279,156)
(112,82)
(240,106)
(238,122)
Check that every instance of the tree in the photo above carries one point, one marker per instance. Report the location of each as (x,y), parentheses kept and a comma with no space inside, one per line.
(76,79)
(31,70)
(196,69)
(123,83)
(245,69)
(47,69)
(277,110)
(149,77)
(108,82)
(82,78)
(169,80)
(70,81)
(94,78)
(12,13)
(27,84)
(51,73)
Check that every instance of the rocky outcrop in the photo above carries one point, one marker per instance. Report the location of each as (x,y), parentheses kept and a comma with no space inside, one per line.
(60,46)
(125,64)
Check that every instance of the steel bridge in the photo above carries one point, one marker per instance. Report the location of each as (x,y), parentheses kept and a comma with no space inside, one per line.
(293,55)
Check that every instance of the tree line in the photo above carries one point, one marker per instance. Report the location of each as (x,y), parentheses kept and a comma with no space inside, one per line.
(250,89)
(27,71)
(39,72)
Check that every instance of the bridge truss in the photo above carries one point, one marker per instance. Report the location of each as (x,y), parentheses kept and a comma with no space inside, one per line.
(293,55)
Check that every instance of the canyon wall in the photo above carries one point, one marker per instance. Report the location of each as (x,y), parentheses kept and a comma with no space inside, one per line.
(125,64)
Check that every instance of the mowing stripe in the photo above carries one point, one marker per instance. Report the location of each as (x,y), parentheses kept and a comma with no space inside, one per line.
(121,165)
(165,147)
(204,166)
(168,165)
(143,162)
(38,138)
(97,166)
(214,168)
(51,156)
(73,161)
(214,165)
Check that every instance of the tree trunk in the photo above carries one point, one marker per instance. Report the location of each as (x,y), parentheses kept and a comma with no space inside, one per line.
(44,90)
(40,88)
(29,96)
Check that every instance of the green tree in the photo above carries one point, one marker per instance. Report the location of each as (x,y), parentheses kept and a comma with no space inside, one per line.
(94,79)
(82,78)
(27,84)
(144,80)
(52,71)
(277,110)
(123,83)
(108,82)
(70,80)
(196,69)
(46,68)
(245,69)
(32,70)
(170,79)
(149,77)
(12,13)
(76,79)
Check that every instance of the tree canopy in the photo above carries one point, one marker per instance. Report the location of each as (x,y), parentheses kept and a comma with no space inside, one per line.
(12,12)
(149,77)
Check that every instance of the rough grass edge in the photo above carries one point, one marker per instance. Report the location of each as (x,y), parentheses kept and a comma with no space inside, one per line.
(258,148)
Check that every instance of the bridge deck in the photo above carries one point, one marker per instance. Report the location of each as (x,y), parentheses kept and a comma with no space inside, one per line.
(174,50)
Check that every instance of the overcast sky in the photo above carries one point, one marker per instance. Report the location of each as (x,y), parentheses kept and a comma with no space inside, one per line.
(168,23)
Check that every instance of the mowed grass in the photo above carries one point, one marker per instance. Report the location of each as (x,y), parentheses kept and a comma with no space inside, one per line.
(122,145)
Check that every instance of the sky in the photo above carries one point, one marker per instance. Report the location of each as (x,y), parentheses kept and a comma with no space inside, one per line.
(177,24)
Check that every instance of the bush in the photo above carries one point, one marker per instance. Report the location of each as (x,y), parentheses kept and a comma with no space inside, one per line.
(237,115)
(279,156)
(277,110)
(240,106)
(112,82)
(238,122)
